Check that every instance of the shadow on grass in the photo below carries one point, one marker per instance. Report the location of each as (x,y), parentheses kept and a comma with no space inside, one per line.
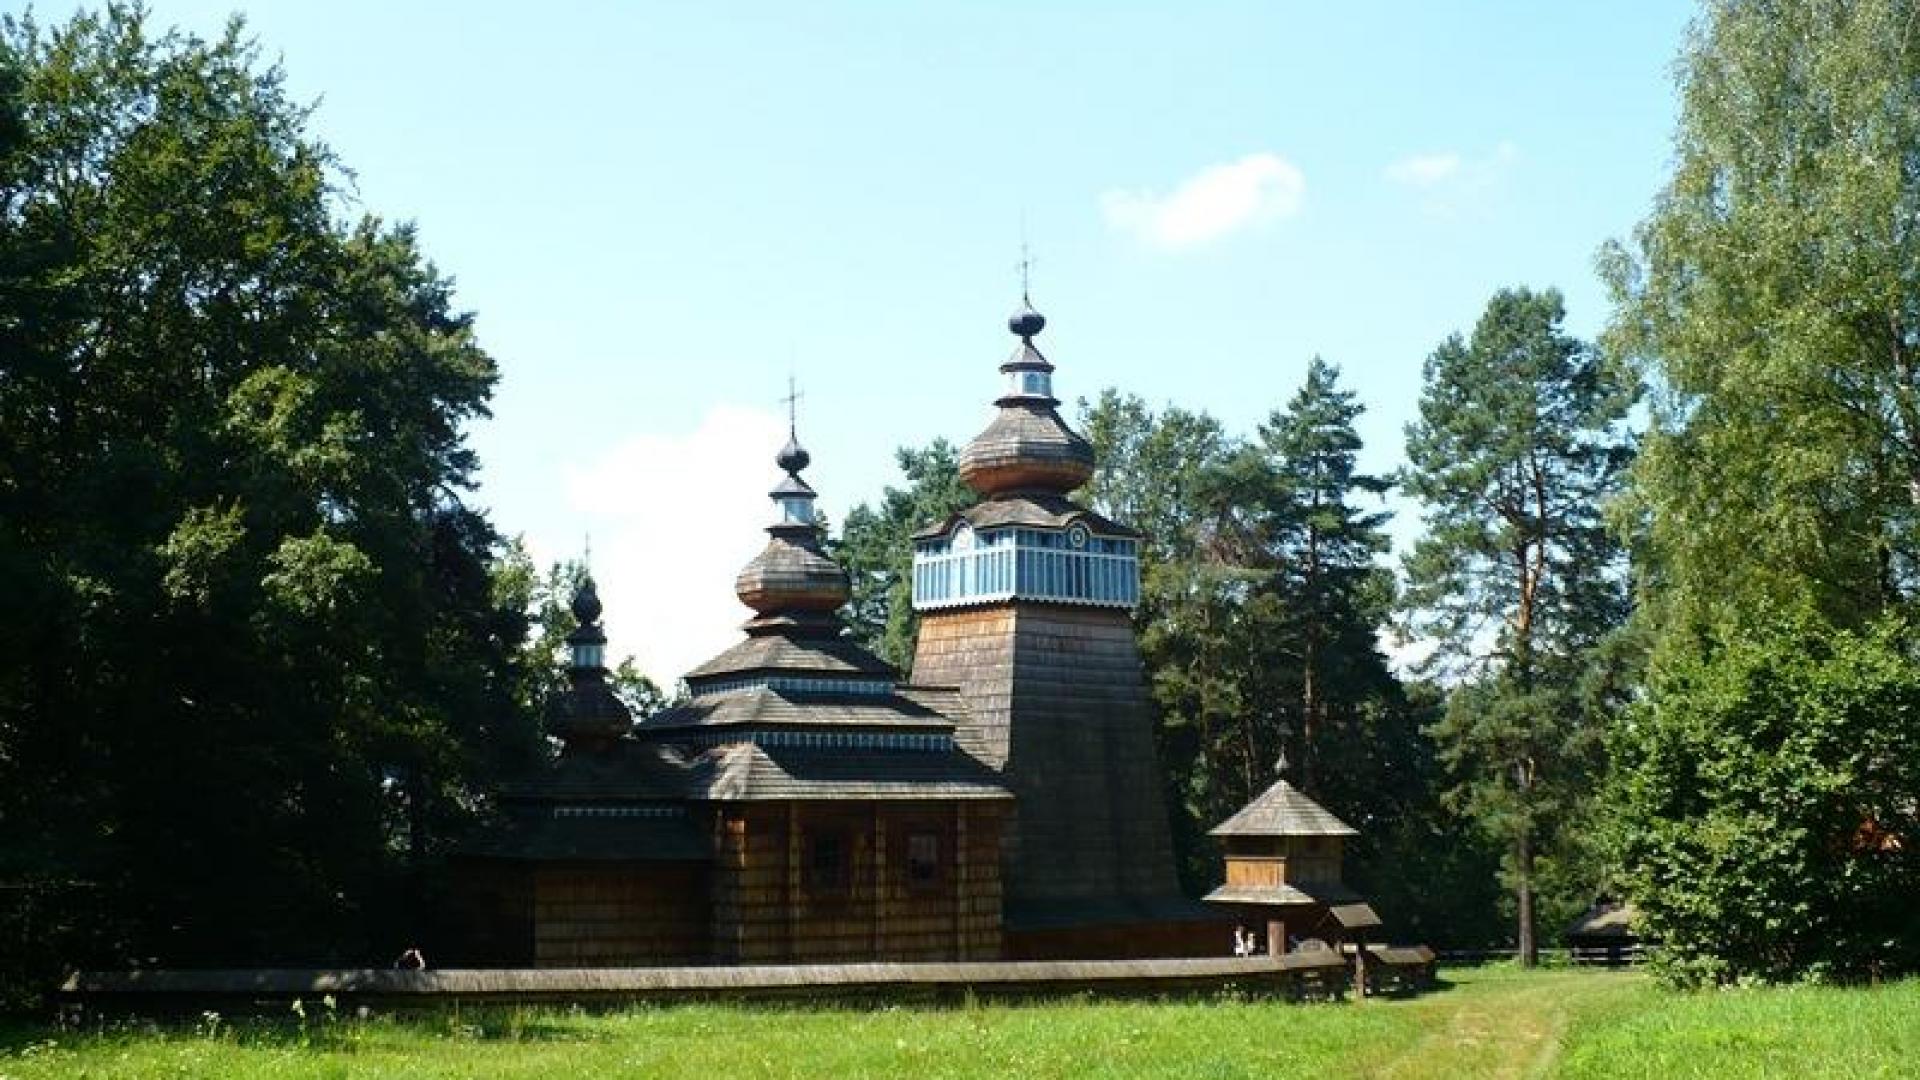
(16,1034)
(502,1024)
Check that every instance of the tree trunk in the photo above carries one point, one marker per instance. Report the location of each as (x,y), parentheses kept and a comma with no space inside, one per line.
(1310,683)
(1523,886)
(416,817)
(1309,712)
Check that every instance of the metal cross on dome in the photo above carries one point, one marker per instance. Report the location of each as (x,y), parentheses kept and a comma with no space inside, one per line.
(792,401)
(1025,267)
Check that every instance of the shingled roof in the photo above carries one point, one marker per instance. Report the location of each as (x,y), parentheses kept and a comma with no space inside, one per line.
(662,774)
(743,772)
(1605,919)
(907,709)
(1032,509)
(1299,892)
(780,652)
(627,771)
(1283,810)
(1026,439)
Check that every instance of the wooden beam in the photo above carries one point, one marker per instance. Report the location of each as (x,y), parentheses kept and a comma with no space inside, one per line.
(793,879)
(959,881)
(879,882)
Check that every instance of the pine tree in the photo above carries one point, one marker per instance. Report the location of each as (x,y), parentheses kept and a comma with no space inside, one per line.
(876,548)
(1515,454)
(1326,550)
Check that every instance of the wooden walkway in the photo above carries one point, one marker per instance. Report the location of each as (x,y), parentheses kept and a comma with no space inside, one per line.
(159,990)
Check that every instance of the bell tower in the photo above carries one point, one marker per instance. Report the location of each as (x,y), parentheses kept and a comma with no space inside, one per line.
(1025,602)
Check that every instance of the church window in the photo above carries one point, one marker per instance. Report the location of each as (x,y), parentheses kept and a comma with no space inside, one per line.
(829,861)
(923,860)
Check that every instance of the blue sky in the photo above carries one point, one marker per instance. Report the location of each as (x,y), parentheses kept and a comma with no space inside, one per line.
(659,210)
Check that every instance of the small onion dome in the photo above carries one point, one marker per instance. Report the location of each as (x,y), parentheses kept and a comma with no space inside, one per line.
(1026,322)
(792,457)
(791,574)
(588,639)
(587,714)
(586,602)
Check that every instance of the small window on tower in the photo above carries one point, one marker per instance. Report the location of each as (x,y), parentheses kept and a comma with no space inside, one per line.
(923,860)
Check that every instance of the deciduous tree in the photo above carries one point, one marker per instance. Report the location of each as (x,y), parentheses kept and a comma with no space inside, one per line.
(1773,298)
(253,660)
(1767,820)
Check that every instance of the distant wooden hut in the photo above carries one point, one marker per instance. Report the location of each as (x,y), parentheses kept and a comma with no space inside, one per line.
(1284,855)
(1604,934)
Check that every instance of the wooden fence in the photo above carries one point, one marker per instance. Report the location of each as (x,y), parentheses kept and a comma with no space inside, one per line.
(1296,976)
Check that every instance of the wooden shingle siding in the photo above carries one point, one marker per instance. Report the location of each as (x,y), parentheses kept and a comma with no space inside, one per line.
(620,915)
(1057,700)
(493,913)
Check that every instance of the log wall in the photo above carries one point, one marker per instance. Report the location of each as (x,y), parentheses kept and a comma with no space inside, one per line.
(491,915)
(773,904)
(619,914)
(1116,941)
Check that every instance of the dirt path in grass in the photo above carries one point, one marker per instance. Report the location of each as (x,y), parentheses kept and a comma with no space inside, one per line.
(1504,1025)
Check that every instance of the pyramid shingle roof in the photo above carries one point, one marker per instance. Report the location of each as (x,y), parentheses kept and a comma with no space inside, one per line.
(1283,810)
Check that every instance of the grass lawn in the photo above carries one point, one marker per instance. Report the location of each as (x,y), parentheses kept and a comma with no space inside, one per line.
(1486,1023)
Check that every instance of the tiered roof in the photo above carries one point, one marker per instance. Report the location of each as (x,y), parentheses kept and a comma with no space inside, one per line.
(800,711)
(796,711)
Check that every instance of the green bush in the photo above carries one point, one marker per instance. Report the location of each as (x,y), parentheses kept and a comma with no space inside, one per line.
(1767,803)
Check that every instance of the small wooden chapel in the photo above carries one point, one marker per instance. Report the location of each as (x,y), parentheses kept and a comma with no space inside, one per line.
(1284,857)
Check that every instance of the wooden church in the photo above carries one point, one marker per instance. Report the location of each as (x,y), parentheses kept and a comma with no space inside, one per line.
(809,804)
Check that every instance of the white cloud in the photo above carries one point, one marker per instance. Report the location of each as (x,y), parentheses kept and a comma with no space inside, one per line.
(1450,180)
(1219,199)
(674,517)
(1423,170)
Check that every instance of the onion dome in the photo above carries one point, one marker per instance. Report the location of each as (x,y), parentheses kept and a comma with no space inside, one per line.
(792,457)
(1027,447)
(792,576)
(586,605)
(587,714)
(1027,322)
